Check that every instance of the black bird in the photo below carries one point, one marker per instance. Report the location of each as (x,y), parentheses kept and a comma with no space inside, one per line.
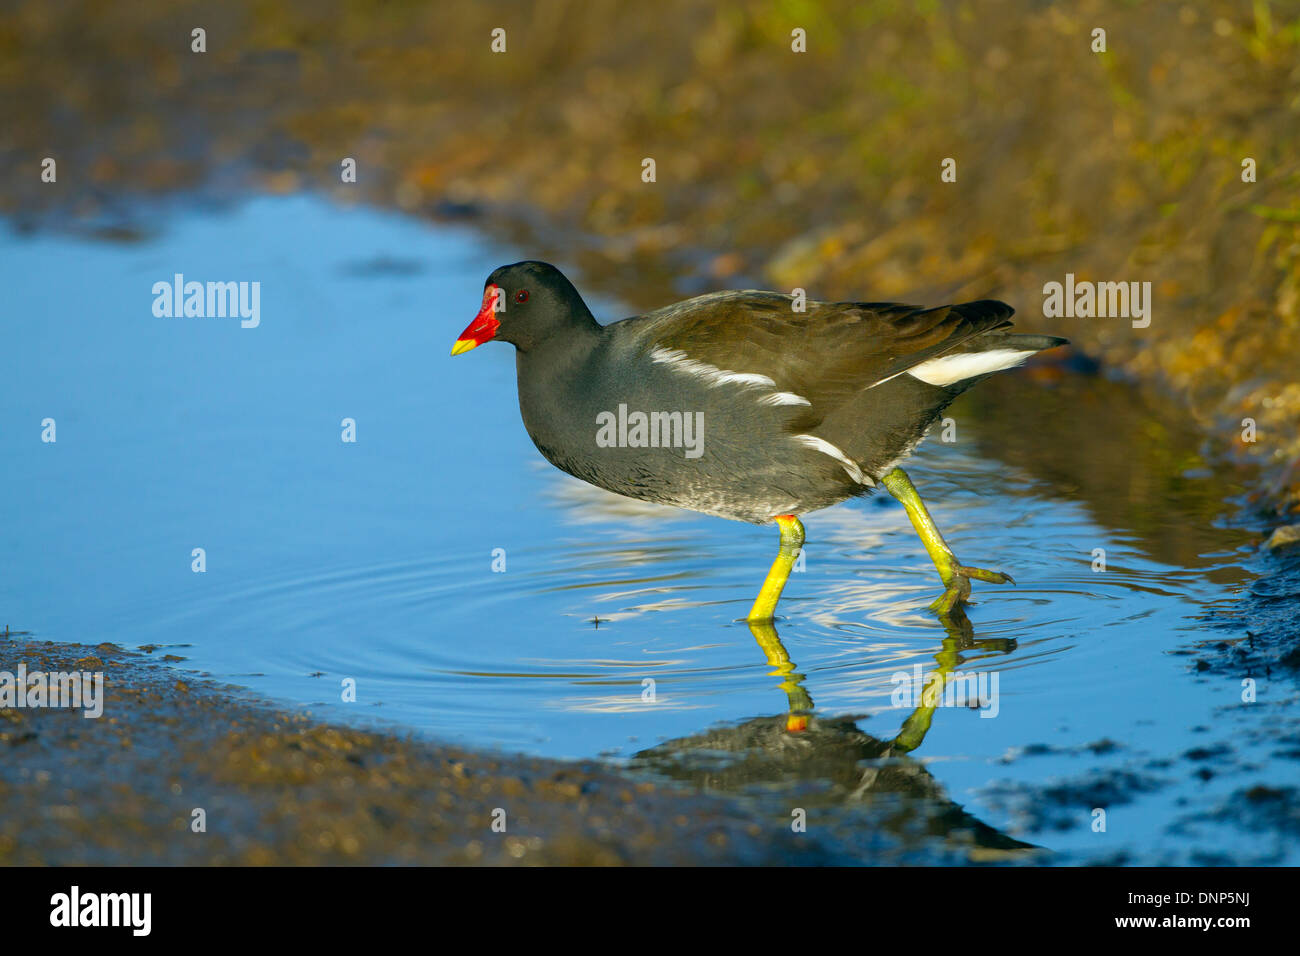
(742,405)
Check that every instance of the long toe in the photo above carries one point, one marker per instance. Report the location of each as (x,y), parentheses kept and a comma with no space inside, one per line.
(954,596)
(991,577)
(957,592)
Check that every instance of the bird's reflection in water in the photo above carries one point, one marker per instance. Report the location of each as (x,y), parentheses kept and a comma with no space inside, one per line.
(829,761)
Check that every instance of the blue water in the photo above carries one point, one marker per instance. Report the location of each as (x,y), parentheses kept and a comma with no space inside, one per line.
(373,560)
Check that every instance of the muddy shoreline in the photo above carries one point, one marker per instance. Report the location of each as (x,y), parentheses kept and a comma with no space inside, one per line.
(281,788)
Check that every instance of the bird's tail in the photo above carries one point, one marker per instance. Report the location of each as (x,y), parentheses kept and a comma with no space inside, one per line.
(982,355)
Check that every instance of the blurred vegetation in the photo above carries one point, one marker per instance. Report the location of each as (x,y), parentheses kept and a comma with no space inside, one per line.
(819,169)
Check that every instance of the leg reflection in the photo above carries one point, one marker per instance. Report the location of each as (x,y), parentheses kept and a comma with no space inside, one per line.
(799,701)
(959,637)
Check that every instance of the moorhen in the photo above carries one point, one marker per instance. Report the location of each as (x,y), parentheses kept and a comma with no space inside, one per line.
(742,405)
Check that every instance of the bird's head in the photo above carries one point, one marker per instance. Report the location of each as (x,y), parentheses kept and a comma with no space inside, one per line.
(524,304)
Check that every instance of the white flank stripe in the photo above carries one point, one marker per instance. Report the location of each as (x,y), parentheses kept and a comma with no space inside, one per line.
(948,369)
(714,376)
(783,398)
(710,373)
(744,378)
(826,448)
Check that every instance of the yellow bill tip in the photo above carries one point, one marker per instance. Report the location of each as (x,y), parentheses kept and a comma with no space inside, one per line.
(463,345)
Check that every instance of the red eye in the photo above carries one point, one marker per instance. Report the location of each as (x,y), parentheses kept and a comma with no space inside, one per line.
(521,295)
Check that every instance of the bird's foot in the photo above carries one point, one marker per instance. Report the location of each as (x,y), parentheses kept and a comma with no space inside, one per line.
(957,586)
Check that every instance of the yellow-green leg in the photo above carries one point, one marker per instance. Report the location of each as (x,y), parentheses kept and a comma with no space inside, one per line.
(791,543)
(956,576)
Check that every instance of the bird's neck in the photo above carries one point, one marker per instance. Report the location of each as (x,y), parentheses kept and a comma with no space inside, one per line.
(563,347)
(554,387)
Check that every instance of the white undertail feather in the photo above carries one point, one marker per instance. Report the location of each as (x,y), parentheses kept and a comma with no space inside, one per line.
(950,369)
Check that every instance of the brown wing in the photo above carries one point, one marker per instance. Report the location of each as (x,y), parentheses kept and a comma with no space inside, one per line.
(827,354)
